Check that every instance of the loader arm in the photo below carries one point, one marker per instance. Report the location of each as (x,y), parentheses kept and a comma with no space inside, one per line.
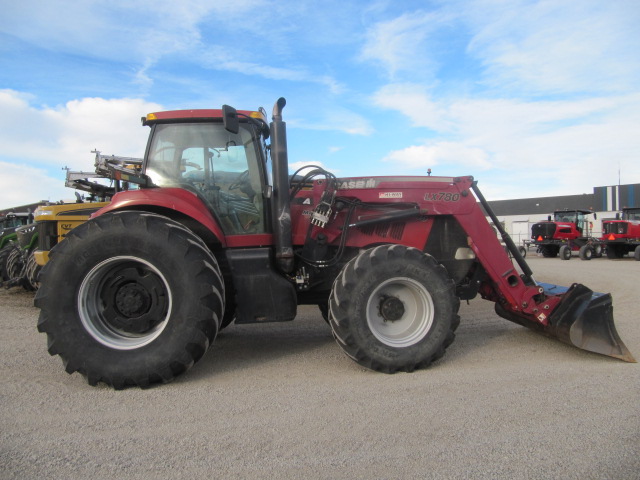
(575,315)
(515,293)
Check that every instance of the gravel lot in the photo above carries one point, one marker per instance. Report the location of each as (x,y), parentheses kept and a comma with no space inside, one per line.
(283,401)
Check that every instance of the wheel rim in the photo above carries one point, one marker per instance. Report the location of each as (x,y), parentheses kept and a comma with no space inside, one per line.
(124,302)
(400,312)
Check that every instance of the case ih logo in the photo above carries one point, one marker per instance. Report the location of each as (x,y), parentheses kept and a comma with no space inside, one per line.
(353,184)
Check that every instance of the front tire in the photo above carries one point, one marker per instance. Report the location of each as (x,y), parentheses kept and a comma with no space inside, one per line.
(130,298)
(565,252)
(394,308)
(586,252)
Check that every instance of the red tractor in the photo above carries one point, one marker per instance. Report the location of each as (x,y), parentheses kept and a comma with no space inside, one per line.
(622,235)
(220,232)
(570,230)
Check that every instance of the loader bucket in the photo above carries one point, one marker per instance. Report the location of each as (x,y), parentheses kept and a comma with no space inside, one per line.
(584,319)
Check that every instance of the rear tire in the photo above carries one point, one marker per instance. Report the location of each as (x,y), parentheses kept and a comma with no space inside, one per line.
(15,263)
(597,250)
(130,298)
(636,253)
(4,254)
(549,251)
(33,271)
(586,252)
(565,252)
(613,252)
(394,308)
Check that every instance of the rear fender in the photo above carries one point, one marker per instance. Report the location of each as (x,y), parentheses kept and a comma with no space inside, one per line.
(159,200)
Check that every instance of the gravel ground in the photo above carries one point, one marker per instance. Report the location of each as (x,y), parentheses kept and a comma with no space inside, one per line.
(283,401)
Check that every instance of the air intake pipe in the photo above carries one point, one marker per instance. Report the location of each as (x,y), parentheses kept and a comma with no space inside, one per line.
(281,203)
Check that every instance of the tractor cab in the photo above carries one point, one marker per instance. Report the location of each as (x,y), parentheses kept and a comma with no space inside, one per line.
(576,222)
(225,169)
(631,214)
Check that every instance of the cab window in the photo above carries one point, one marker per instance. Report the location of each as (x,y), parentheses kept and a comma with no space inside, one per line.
(222,168)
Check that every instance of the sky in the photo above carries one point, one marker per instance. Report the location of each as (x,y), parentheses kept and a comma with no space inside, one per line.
(532,97)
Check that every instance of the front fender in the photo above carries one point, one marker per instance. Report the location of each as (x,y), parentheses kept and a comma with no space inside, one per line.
(158,199)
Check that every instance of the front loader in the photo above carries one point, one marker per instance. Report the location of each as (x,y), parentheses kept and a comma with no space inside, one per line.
(220,232)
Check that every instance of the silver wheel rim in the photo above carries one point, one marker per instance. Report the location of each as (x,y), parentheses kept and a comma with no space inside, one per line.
(91,308)
(417,317)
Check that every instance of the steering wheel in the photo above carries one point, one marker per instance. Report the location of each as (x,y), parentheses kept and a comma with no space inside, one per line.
(192,165)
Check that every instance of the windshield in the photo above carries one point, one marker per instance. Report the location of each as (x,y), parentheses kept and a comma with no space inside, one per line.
(577,218)
(633,215)
(565,217)
(222,168)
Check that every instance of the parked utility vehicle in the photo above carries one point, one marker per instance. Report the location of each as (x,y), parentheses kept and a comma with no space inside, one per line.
(622,235)
(570,230)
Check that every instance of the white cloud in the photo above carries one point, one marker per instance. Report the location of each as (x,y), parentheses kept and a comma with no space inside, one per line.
(414,101)
(399,44)
(293,167)
(558,147)
(525,46)
(549,47)
(65,135)
(217,58)
(24,184)
(440,153)
(116,28)
(335,118)
(51,138)
(200,32)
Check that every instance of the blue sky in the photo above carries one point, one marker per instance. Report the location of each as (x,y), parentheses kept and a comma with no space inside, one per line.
(532,98)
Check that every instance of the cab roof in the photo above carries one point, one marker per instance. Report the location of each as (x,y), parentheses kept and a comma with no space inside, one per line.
(574,210)
(171,116)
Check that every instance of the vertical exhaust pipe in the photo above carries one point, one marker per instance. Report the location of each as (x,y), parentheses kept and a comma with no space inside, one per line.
(281,204)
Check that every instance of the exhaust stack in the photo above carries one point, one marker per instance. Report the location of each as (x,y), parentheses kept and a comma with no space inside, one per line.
(281,203)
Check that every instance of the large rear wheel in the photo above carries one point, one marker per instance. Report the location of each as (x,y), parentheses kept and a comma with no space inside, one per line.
(393,308)
(614,252)
(4,256)
(130,298)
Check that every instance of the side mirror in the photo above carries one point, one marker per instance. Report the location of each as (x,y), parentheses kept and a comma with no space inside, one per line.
(230,119)
(595,216)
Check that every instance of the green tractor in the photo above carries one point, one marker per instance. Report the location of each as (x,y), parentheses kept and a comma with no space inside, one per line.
(9,238)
